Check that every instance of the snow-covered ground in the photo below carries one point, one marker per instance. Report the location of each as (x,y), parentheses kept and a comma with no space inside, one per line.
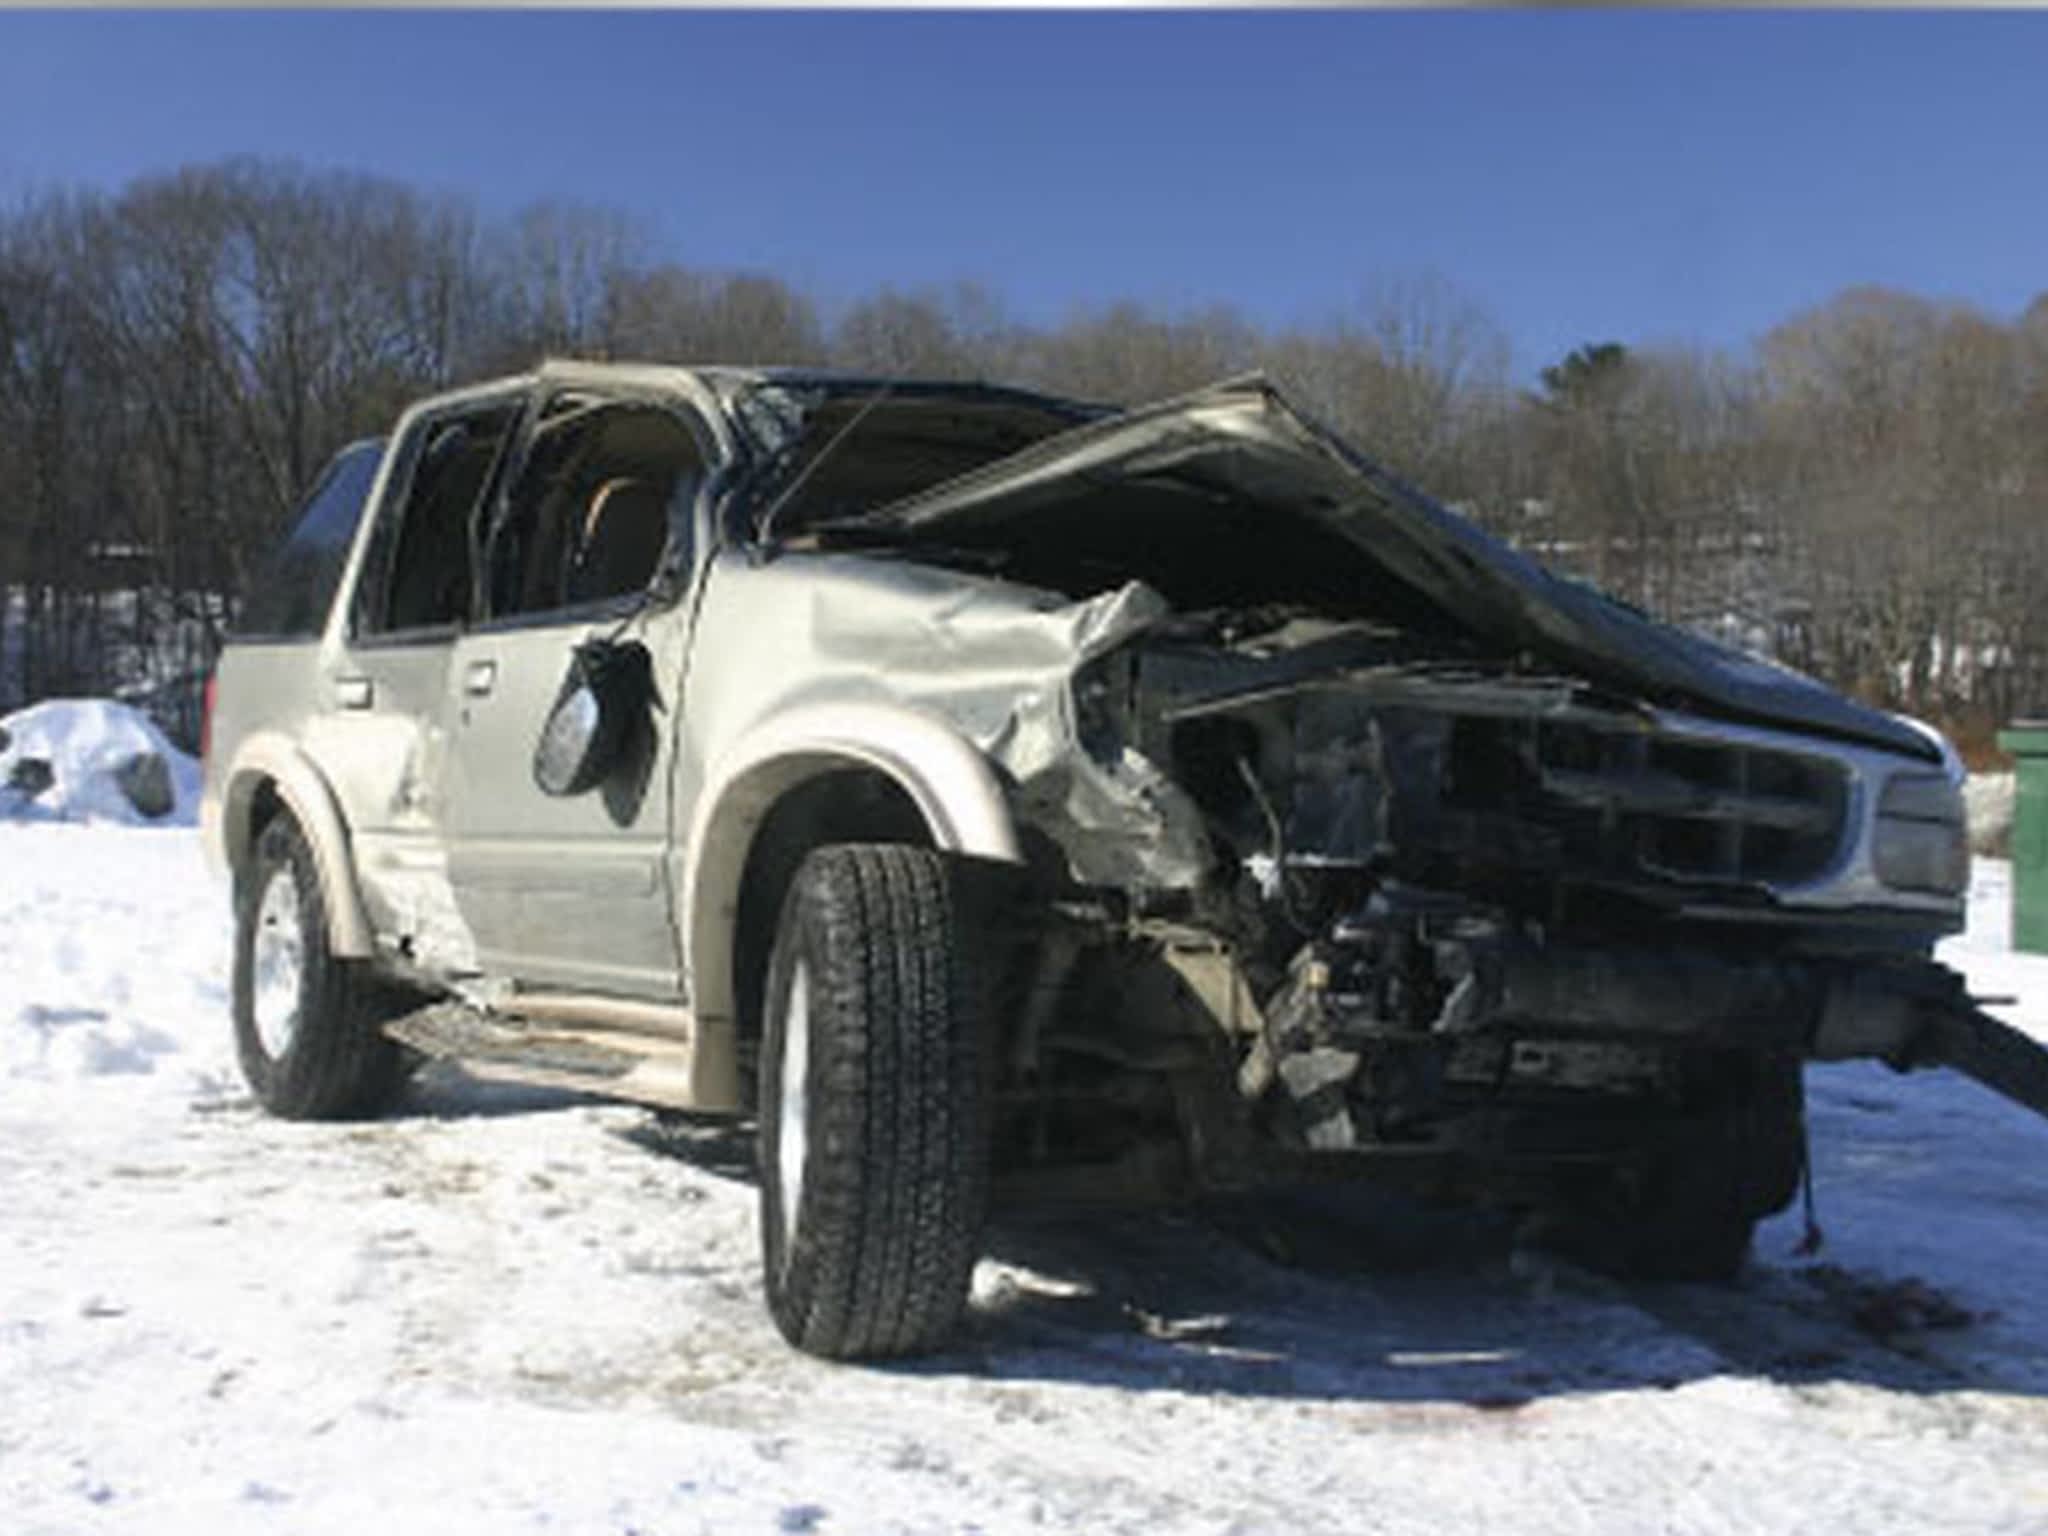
(505,1311)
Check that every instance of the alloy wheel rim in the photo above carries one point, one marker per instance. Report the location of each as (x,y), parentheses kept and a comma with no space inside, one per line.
(792,1137)
(279,964)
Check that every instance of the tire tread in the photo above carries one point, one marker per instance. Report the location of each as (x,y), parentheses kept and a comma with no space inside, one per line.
(897,1181)
(340,1064)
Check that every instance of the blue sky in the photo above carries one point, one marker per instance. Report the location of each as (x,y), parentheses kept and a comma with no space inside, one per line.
(1643,176)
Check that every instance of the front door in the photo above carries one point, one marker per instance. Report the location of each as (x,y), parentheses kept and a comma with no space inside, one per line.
(572,891)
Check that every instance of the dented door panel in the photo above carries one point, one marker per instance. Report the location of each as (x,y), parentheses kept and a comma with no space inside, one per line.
(564,891)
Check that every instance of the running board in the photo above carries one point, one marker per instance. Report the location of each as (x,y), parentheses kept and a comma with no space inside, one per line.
(587,1060)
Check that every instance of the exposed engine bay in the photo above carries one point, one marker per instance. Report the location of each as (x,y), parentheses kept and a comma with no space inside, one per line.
(1445,902)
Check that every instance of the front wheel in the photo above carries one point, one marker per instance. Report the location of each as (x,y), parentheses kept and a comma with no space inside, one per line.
(873,1104)
(1687,1210)
(308,1024)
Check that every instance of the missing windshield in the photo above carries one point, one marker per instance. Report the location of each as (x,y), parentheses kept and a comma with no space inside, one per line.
(890,445)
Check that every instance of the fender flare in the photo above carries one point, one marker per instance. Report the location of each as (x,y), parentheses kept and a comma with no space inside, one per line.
(269,757)
(947,778)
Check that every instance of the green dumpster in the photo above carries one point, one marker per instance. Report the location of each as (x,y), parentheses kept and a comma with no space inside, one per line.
(2027,741)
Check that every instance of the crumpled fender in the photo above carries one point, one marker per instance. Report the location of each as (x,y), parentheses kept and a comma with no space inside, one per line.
(946,777)
(270,756)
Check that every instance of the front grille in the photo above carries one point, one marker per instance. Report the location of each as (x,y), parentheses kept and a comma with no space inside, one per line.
(1632,801)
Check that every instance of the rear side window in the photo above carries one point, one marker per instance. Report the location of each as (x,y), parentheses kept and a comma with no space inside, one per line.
(293,590)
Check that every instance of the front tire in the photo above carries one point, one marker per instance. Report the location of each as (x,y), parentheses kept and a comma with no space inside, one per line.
(308,1024)
(1688,1211)
(873,1105)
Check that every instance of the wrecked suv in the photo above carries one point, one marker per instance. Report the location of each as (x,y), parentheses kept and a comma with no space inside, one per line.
(998,797)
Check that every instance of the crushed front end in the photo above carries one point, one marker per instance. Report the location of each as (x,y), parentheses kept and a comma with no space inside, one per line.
(1491,930)
(1364,844)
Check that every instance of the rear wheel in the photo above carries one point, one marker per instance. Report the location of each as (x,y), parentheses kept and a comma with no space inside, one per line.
(308,1024)
(873,1119)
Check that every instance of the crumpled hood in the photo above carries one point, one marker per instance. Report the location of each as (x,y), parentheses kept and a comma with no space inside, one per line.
(1243,440)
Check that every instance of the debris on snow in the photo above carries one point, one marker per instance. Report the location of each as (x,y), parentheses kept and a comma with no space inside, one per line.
(1885,1309)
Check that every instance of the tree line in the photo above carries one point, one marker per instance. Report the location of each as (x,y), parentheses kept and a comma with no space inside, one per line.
(1863,493)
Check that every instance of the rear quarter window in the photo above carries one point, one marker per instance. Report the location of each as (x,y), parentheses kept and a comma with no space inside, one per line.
(294,588)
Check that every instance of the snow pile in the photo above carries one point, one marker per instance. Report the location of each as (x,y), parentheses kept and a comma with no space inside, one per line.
(93,760)
(1988,799)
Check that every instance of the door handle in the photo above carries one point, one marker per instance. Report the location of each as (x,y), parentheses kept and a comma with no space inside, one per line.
(479,677)
(353,692)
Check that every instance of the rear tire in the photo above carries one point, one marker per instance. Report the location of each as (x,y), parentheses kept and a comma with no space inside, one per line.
(308,1024)
(873,1104)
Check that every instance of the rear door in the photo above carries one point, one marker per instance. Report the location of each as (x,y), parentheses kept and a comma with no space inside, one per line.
(269,675)
(593,534)
(377,731)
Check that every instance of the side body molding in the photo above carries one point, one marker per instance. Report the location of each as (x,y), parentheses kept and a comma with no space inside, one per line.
(945,776)
(270,756)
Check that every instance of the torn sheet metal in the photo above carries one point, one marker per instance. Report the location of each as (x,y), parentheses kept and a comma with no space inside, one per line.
(1240,442)
(405,884)
(997,661)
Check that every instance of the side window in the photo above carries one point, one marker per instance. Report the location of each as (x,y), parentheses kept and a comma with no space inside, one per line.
(604,489)
(420,571)
(294,588)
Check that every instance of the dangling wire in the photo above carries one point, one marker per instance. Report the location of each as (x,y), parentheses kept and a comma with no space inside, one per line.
(1278,851)
(1813,1239)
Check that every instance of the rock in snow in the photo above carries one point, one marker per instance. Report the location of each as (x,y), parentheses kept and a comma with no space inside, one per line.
(145,778)
(30,776)
(93,760)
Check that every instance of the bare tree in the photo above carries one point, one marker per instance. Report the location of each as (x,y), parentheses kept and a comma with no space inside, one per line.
(672,314)
(929,332)
(1866,493)
(1127,353)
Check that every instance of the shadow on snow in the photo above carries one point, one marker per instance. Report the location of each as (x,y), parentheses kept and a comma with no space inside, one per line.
(1350,1294)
